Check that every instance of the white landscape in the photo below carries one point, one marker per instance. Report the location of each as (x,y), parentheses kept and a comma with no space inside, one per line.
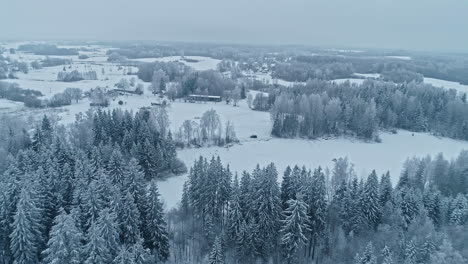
(389,155)
(132,152)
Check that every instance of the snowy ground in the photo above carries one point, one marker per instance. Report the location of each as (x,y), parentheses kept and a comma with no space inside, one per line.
(388,155)
(202,64)
(399,57)
(351,80)
(45,79)
(368,75)
(461,88)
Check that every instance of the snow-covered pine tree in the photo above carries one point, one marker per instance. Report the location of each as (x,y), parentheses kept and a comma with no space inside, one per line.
(125,256)
(64,245)
(370,204)
(385,189)
(432,204)
(315,198)
(368,256)
(267,207)
(155,228)
(387,256)
(25,229)
(294,228)
(285,188)
(142,255)
(107,229)
(116,167)
(410,253)
(95,251)
(134,183)
(129,220)
(216,255)
(92,203)
(234,221)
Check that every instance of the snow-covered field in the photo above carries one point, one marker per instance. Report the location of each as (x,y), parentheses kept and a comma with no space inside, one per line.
(268,79)
(368,75)
(45,79)
(399,57)
(351,80)
(202,64)
(461,88)
(388,155)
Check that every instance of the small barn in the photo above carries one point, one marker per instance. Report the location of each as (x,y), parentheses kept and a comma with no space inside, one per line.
(203,98)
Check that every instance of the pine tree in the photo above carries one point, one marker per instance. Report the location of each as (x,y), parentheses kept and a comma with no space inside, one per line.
(315,198)
(370,203)
(140,254)
(432,204)
(387,256)
(294,229)
(64,245)
(217,254)
(385,189)
(155,227)
(235,218)
(410,253)
(92,203)
(129,220)
(458,210)
(107,230)
(95,250)
(125,256)
(286,188)
(368,256)
(116,167)
(25,234)
(268,210)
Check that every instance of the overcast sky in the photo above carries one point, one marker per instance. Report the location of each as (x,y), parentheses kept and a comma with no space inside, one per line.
(406,24)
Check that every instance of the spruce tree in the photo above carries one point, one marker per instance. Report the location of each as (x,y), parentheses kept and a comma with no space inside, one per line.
(129,220)
(95,250)
(216,255)
(64,245)
(155,227)
(116,167)
(385,189)
(125,256)
(286,188)
(235,218)
(107,229)
(367,256)
(315,198)
(294,228)
(26,234)
(268,210)
(370,204)
(387,257)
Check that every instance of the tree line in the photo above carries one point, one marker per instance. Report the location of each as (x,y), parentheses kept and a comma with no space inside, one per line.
(321,108)
(318,216)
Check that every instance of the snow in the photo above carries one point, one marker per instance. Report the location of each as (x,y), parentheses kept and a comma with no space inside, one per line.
(461,88)
(7,106)
(268,79)
(388,155)
(44,80)
(368,75)
(202,64)
(399,57)
(351,80)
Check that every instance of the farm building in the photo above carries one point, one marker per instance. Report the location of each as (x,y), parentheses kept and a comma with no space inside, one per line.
(203,98)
